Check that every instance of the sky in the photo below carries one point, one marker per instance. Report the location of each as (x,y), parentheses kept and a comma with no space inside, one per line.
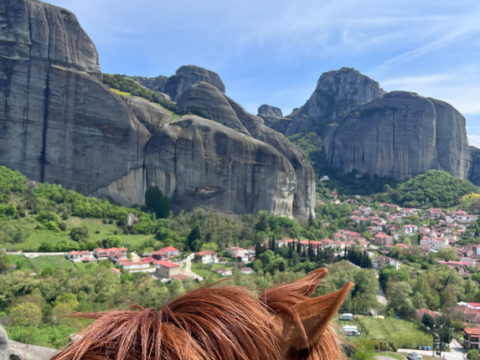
(273,51)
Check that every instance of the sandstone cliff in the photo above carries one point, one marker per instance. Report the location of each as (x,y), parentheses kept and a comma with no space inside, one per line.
(337,92)
(60,124)
(399,135)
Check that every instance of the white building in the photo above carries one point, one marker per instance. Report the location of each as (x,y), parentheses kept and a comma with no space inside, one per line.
(78,256)
(410,229)
(206,257)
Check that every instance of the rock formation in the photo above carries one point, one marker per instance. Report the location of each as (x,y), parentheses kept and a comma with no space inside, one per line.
(190,75)
(399,135)
(11,350)
(273,118)
(209,100)
(337,92)
(60,124)
(474,175)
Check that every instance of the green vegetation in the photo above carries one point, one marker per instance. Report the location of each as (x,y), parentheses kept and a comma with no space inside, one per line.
(434,188)
(156,202)
(125,86)
(404,334)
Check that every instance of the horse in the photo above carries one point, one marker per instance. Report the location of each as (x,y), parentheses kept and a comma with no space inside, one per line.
(220,323)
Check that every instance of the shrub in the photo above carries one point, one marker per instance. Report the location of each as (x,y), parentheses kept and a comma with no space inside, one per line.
(27,314)
(47,216)
(79,233)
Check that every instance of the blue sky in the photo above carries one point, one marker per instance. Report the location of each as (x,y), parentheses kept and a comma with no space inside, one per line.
(273,52)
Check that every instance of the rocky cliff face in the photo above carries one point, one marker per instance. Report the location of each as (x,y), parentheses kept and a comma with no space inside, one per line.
(474,175)
(273,118)
(60,124)
(210,100)
(190,75)
(399,135)
(337,92)
(11,350)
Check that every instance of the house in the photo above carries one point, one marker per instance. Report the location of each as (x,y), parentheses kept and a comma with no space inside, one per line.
(382,239)
(246,271)
(115,271)
(240,254)
(114,256)
(471,338)
(165,269)
(165,253)
(181,277)
(390,207)
(284,242)
(206,257)
(382,261)
(459,265)
(223,272)
(469,261)
(102,254)
(129,266)
(421,312)
(77,256)
(435,243)
(410,229)
(324,178)
(435,213)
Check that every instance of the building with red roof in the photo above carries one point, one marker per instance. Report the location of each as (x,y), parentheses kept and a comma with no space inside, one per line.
(206,257)
(471,338)
(139,265)
(165,269)
(78,256)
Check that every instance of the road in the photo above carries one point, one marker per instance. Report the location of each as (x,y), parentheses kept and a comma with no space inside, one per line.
(188,267)
(34,255)
(456,351)
(381,298)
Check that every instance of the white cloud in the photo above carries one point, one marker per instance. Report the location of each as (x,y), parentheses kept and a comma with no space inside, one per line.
(474,140)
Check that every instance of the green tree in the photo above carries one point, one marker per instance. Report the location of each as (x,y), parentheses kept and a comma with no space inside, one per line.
(27,314)
(4,262)
(418,301)
(209,246)
(398,295)
(472,354)
(79,233)
(156,202)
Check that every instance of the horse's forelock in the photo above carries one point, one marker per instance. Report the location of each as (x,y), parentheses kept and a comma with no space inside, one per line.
(225,323)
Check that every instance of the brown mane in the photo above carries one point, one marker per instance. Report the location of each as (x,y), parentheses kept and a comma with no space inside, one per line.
(219,323)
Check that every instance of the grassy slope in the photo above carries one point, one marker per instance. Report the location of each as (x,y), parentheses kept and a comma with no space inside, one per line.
(13,191)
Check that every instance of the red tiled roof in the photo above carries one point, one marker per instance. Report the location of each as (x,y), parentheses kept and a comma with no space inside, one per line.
(181,277)
(206,252)
(169,249)
(167,264)
(115,270)
(471,331)
(132,263)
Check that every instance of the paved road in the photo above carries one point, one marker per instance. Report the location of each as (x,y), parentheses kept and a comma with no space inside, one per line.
(188,267)
(381,298)
(456,352)
(34,255)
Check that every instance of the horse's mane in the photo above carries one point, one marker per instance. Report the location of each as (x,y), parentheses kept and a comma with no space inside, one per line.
(214,323)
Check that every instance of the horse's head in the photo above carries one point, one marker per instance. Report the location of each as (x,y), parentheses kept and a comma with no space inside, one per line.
(220,323)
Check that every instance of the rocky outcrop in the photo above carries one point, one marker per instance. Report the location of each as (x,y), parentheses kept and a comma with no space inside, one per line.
(156,84)
(221,108)
(337,92)
(474,175)
(273,118)
(60,124)
(399,135)
(187,76)
(199,162)
(11,350)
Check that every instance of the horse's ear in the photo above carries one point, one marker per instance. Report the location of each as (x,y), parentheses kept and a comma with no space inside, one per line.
(315,316)
(311,281)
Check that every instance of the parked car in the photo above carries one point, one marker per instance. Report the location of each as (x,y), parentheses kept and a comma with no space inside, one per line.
(352,333)
(414,356)
(346,317)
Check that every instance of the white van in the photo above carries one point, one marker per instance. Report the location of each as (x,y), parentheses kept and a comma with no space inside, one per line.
(347,317)
(350,328)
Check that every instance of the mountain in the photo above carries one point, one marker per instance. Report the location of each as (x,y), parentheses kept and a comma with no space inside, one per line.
(474,175)
(397,135)
(60,124)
